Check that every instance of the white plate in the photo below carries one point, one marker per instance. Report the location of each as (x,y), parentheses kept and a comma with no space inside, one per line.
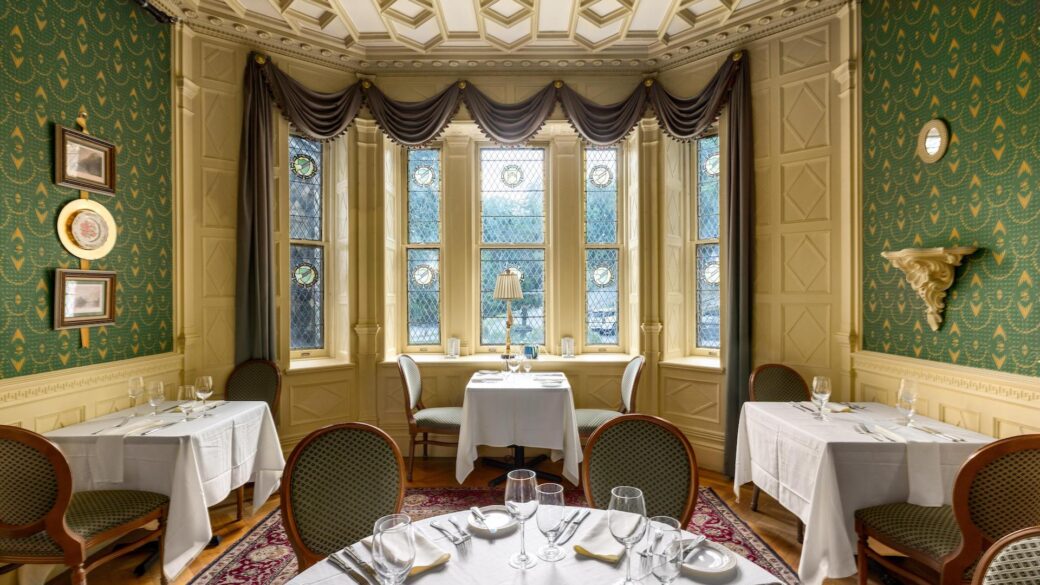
(498,518)
(710,559)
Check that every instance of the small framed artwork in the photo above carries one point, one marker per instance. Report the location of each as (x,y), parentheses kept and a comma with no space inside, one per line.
(84,298)
(84,162)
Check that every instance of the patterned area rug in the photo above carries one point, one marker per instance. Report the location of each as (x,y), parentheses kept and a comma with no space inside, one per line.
(264,556)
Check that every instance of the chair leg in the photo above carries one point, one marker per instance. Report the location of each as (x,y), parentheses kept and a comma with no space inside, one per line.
(801,531)
(755,493)
(240,502)
(79,575)
(425,446)
(861,557)
(411,457)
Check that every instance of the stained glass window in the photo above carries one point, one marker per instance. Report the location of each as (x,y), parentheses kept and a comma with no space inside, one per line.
(305,194)
(708,269)
(601,196)
(708,188)
(423,252)
(601,296)
(512,195)
(529,312)
(602,307)
(424,196)
(424,296)
(306,289)
(307,248)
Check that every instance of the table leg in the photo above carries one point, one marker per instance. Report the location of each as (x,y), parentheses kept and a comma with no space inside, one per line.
(520,462)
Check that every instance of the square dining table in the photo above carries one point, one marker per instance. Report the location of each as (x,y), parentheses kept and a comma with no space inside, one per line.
(825,470)
(197,463)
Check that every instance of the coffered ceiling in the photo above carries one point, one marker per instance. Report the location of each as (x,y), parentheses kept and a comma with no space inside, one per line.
(374,35)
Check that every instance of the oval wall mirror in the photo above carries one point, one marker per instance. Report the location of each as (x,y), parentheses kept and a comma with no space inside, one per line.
(933,141)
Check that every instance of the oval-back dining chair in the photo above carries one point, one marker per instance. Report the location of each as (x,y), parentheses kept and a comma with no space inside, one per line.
(43,522)
(338,481)
(258,380)
(590,419)
(646,452)
(442,420)
(1012,560)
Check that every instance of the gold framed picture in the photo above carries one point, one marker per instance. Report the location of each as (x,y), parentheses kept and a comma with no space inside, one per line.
(82,161)
(84,298)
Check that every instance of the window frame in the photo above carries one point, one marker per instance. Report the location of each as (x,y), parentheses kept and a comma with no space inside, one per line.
(325,244)
(479,245)
(618,246)
(406,245)
(694,241)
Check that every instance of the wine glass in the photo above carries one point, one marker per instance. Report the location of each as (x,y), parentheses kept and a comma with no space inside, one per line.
(522,503)
(203,390)
(527,365)
(393,547)
(626,517)
(549,517)
(186,396)
(156,396)
(907,399)
(821,393)
(513,362)
(135,388)
(664,560)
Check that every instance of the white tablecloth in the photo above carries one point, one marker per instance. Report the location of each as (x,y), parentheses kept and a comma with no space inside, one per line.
(517,410)
(196,463)
(486,562)
(823,471)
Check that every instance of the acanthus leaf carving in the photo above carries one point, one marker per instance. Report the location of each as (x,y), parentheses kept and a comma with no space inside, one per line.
(930,271)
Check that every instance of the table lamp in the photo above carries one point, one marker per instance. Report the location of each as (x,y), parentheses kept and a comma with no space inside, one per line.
(507,288)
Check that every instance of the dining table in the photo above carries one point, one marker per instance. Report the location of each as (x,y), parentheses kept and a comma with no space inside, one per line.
(857,455)
(485,561)
(505,409)
(197,462)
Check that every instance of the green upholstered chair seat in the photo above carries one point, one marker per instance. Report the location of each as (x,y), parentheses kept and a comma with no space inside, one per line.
(89,514)
(932,531)
(447,418)
(590,419)
(1018,563)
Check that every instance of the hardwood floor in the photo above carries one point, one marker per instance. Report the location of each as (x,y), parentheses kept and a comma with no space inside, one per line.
(775,524)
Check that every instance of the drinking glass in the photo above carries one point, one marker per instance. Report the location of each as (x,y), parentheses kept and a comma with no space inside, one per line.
(527,365)
(821,393)
(186,396)
(626,517)
(513,362)
(663,532)
(549,517)
(522,503)
(906,400)
(667,561)
(393,548)
(156,396)
(135,389)
(203,390)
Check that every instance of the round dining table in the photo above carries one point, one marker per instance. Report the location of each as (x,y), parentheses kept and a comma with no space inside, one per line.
(485,561)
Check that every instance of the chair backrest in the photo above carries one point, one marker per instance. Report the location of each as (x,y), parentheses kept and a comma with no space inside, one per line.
(1012,560)
(646,452)
(777,383)
(338,481)
(256,380)
(630,383)
(410,379)
(997,492)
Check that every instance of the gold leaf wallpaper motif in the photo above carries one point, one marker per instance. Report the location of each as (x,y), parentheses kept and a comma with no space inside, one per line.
(975,65)
(111,59)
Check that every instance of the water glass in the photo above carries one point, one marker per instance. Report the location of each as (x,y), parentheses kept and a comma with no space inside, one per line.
(393,548)
(156,396)
(662,532)
(203,390)
(135,388)
(667,560)
(454,347)
(626,518)
(906,400)
(522,503)
(821,393)
(513,362)
(527,366)
(186,396)
(551,509)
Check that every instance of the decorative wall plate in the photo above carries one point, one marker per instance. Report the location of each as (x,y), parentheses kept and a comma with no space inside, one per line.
(86,229)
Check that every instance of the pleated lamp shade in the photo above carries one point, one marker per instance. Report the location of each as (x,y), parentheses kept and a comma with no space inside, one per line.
(507,286)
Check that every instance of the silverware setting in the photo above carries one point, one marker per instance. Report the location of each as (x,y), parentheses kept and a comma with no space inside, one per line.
(863,429)
(463,533)
(936,433)
(573,528)
(159,428)
(567,519)
(853,406)
(368,568)
(342,565)
(801,406)
(125,420)
(454,538)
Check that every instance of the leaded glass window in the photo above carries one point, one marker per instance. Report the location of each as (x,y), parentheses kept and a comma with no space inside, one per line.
(602,270)
(423,251)
(307,245)
(708,277)
(512,220)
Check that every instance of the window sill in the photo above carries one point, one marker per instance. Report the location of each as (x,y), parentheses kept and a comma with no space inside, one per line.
(317,364)
(704,363)
(494,359)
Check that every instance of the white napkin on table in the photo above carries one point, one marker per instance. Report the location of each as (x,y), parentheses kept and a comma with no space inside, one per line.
(106,462)
(427,554)
(597,542)
(923,468)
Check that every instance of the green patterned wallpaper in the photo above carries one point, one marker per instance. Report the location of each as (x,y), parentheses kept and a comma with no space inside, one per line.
(974,64)
(112,59)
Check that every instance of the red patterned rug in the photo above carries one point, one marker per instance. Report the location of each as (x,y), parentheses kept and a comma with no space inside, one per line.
(264,556)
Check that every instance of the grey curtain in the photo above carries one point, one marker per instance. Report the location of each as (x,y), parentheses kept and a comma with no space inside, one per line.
(322,116)
(413,123)
(603,125)
(510,123)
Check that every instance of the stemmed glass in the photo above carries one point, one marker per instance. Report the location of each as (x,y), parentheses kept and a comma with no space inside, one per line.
(821,393)
(135,389)
(203,390)
(156,396)
(907,399)
(665,549)
(393,548)
(513,362)
(527,365)
(549,517)
(626,517)
(522,503)
(186,395)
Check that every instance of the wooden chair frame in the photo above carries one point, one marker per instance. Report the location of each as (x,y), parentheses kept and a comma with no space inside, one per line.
(691,497)
(74,547)
(998,547)
(950,569)
(240,492)
(413,428)
(304,555)
(632,399)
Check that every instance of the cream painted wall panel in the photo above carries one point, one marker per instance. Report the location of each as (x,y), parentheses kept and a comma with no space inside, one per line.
(692,400)
(219,205)
(805,190)
(806,261)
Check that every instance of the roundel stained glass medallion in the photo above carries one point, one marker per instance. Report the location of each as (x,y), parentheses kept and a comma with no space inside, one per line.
(712,274)
(512,176)
(424,175)
(601,176)
(602,275)
(304,166)
(305,274)
(711,165)
(423,275)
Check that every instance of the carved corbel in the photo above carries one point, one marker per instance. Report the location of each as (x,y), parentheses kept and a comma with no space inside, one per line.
(930,272)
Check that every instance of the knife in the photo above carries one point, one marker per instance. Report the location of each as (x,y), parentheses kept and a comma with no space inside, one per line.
(357,560)
(573,528)
(343,566)
(567,519)
(481,518)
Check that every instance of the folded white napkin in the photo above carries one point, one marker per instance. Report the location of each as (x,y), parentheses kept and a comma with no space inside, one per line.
(923,469)
(597,542)
(106,462)
(427,554)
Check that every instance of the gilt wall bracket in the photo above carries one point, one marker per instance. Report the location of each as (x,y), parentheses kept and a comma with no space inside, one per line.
(930,271)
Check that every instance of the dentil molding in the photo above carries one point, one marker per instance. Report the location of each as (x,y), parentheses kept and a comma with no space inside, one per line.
(930,272)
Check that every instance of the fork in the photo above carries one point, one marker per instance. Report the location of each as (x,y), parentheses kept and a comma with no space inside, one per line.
(451,535)
(865,430)
(462,533)
(125,420)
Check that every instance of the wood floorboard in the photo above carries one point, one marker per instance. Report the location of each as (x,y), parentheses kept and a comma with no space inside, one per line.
(772,522)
